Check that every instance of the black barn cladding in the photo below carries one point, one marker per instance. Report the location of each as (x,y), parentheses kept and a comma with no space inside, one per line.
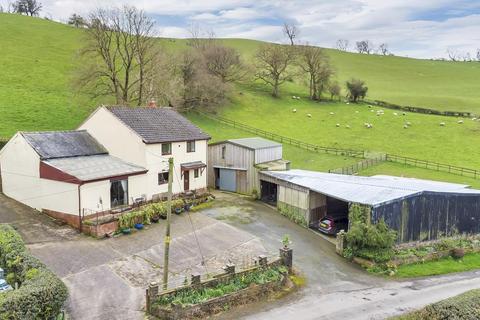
(417,209)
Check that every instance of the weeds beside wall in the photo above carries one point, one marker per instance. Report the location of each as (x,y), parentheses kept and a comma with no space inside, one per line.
(40,294)
(293,213)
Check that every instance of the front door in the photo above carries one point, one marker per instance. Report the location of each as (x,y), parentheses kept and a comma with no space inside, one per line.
(186,180)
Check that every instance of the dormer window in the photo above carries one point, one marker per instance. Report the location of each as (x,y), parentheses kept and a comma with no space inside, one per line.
(191,146)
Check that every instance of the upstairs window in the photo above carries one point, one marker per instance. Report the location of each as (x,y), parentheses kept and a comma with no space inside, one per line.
(163,178)
(190,146)
(166,148)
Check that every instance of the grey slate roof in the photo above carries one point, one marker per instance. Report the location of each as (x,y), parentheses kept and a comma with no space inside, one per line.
(87,168)
(60,144)
(253,143)
(372,191)
(156,125)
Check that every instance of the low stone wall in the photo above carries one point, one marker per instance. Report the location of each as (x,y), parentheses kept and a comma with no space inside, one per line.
(101,230)
(215,305)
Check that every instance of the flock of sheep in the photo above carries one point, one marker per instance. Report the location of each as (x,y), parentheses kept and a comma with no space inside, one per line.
(379,113)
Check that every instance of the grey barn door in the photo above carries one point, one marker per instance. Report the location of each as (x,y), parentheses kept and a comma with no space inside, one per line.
(227,180)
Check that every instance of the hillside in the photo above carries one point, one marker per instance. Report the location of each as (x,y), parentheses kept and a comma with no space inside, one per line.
(38,59)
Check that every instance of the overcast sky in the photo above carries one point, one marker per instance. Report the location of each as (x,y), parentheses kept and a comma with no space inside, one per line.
(419,28)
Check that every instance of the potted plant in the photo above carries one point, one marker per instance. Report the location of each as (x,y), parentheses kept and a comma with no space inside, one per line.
(139,218)
(286,241)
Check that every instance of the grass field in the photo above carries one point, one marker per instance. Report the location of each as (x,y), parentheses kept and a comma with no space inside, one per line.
(39,57)
(446,265)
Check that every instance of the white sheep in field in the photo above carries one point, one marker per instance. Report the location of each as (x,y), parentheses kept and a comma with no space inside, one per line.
(332,113)
(356,111)
(347,126)
(368,125)
(309,115)
(298,98)
(395,114)
(408,123)
(337,125)
(473,119)
(294,97)
(294,110)
(405,126)
(442,124)
(460,121)
(348,102)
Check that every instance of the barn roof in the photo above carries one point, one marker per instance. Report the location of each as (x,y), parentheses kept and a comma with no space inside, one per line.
(96,167)
(61,144)
(366,190)
(253,143)
(157,125)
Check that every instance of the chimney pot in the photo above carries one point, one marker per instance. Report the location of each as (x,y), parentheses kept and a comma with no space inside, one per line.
(152,104)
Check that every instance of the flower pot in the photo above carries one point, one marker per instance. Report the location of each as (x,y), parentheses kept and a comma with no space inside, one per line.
(155,219)
(126,231)
(178,210)
(163,217)
(187,207)
(139,226)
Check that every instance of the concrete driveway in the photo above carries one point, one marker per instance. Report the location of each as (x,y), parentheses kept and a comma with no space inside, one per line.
(335,288)
(107,278)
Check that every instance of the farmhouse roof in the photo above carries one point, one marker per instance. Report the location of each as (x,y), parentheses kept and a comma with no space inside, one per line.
(253,143)
(157,125)
(372,191)
(96,167)
(61,144)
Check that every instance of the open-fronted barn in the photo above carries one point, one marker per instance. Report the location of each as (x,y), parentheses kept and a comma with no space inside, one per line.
(416,209)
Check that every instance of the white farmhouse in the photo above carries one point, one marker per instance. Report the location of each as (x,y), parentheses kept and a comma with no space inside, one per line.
(147,137)
(67,174)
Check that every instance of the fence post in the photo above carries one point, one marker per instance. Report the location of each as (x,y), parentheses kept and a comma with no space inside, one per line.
(151,293)
(286,255)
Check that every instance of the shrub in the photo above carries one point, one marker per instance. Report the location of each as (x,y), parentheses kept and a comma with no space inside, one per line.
(457,253)
(366,240)
(41,294)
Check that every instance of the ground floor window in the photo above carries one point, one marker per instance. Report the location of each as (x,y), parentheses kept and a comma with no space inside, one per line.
(118,193)
(163,178)
(196,173)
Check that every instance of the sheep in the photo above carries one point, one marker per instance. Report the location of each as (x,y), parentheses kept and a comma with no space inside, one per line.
(372,110)
(408,123)
(395,114)
(473,119)
(348,102)
(294,110)
(356,111)
(298,98)
(347,126)
(460,121)
(294,97)
(368,125)
(338,125)
(309,115)
(405,126)
(332,113)
(442,124)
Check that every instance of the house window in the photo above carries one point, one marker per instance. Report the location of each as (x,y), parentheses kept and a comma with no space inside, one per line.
(118,193)
(190,146)
(224,149)
(196,173)
(166,148)
(163,178)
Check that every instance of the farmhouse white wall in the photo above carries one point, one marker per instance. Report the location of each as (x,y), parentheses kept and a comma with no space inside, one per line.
(21,180)
(119,139)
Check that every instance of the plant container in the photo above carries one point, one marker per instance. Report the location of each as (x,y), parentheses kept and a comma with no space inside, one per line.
(155,219)
(139,226)
(178,210)
(126,231)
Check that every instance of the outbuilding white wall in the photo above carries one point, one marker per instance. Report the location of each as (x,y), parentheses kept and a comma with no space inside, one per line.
(21,180)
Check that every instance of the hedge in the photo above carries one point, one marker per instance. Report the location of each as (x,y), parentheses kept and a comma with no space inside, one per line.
(41,294)
(462,307)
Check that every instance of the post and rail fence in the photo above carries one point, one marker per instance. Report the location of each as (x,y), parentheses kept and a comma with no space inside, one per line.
(367,162)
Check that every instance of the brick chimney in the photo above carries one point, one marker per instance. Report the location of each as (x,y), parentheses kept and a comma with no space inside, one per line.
(152,104)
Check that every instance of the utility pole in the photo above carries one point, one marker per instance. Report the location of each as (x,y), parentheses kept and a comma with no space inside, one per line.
(167,233)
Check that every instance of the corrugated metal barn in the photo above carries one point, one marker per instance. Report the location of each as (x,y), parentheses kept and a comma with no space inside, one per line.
(417,209)
(233,164)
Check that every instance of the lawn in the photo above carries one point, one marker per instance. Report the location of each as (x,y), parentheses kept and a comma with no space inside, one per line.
(470,261)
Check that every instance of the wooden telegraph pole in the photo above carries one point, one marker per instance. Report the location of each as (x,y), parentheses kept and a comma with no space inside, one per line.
(167,233)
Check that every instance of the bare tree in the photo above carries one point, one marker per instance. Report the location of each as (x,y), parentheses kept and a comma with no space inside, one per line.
(383,49)
(314,62)
(342,44)
(77,21)
(120,50)
(224,63)
(291,31)
(199,38)
(28,7)
(364,46)
(453,55)
(335,90)
(272,61)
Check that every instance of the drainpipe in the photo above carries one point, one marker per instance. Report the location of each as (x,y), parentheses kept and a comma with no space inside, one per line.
(79,209)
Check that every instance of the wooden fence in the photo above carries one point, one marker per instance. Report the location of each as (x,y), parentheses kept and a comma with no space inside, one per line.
(426,164)
(361,165)
(287,140)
